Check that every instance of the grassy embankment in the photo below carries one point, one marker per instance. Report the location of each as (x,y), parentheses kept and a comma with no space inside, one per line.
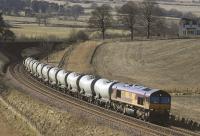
(48,120)
(171,65)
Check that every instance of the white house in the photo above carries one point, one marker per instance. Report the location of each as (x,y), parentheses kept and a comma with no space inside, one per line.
(189,27)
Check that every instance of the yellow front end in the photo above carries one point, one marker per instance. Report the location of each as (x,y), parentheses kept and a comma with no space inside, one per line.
(159,107)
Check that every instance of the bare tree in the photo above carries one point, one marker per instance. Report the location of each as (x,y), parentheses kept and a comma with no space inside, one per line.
(94,5)
(5,33)
(127,16)
(160,27)
(147,8)
(42,19)
(101,18)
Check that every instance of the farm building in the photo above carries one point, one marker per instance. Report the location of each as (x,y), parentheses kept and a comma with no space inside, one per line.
(189,27)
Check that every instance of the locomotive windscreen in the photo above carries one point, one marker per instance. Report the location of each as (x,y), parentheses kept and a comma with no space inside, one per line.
(164,100)
(160,100)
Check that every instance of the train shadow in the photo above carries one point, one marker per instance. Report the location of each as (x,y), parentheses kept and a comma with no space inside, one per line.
(184,123)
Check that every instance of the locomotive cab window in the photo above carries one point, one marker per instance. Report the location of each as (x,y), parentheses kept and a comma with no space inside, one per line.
(140,101)
(165,100)
(118,94)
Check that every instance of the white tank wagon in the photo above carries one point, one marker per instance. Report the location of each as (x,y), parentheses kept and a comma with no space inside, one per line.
(102,89)
(52,75)
(45,71)
(25,62)
(35,64)
(28,64)
(72,81)
(62,79)
(85,85)
(31,66)
(39,70)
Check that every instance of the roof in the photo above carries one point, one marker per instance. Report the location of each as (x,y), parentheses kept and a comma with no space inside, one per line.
(194,21)
(141,90)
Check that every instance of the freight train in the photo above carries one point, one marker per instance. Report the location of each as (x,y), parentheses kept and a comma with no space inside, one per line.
(148,104)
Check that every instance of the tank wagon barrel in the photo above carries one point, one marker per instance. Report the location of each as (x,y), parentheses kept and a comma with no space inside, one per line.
(62,79)
(102,89)
(35,64)
(52,75)
(39,70)
(85,85)
(31,66)
(72,81)
(45,72)
(28,64)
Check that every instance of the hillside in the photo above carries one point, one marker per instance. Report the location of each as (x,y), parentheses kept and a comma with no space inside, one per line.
(165,64)
(172,65)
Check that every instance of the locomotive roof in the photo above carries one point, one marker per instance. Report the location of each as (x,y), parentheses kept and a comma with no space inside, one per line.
(141,90)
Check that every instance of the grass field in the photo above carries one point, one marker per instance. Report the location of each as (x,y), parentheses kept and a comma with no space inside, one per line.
(186,106)
(171,65)
(80,58)
(35,31)
(28,28)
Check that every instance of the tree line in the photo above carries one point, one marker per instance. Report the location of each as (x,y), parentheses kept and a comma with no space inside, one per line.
(33,8)
(5,33)
(146,16)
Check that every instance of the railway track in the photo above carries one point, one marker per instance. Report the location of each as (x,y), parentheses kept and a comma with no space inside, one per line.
(136,126)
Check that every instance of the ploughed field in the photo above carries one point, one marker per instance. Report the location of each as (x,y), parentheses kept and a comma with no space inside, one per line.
(172,65)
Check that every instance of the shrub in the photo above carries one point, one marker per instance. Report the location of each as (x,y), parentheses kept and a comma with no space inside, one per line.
(82,36)
(78,36)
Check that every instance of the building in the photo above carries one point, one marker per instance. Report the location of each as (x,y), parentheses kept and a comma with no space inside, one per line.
(189,27)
